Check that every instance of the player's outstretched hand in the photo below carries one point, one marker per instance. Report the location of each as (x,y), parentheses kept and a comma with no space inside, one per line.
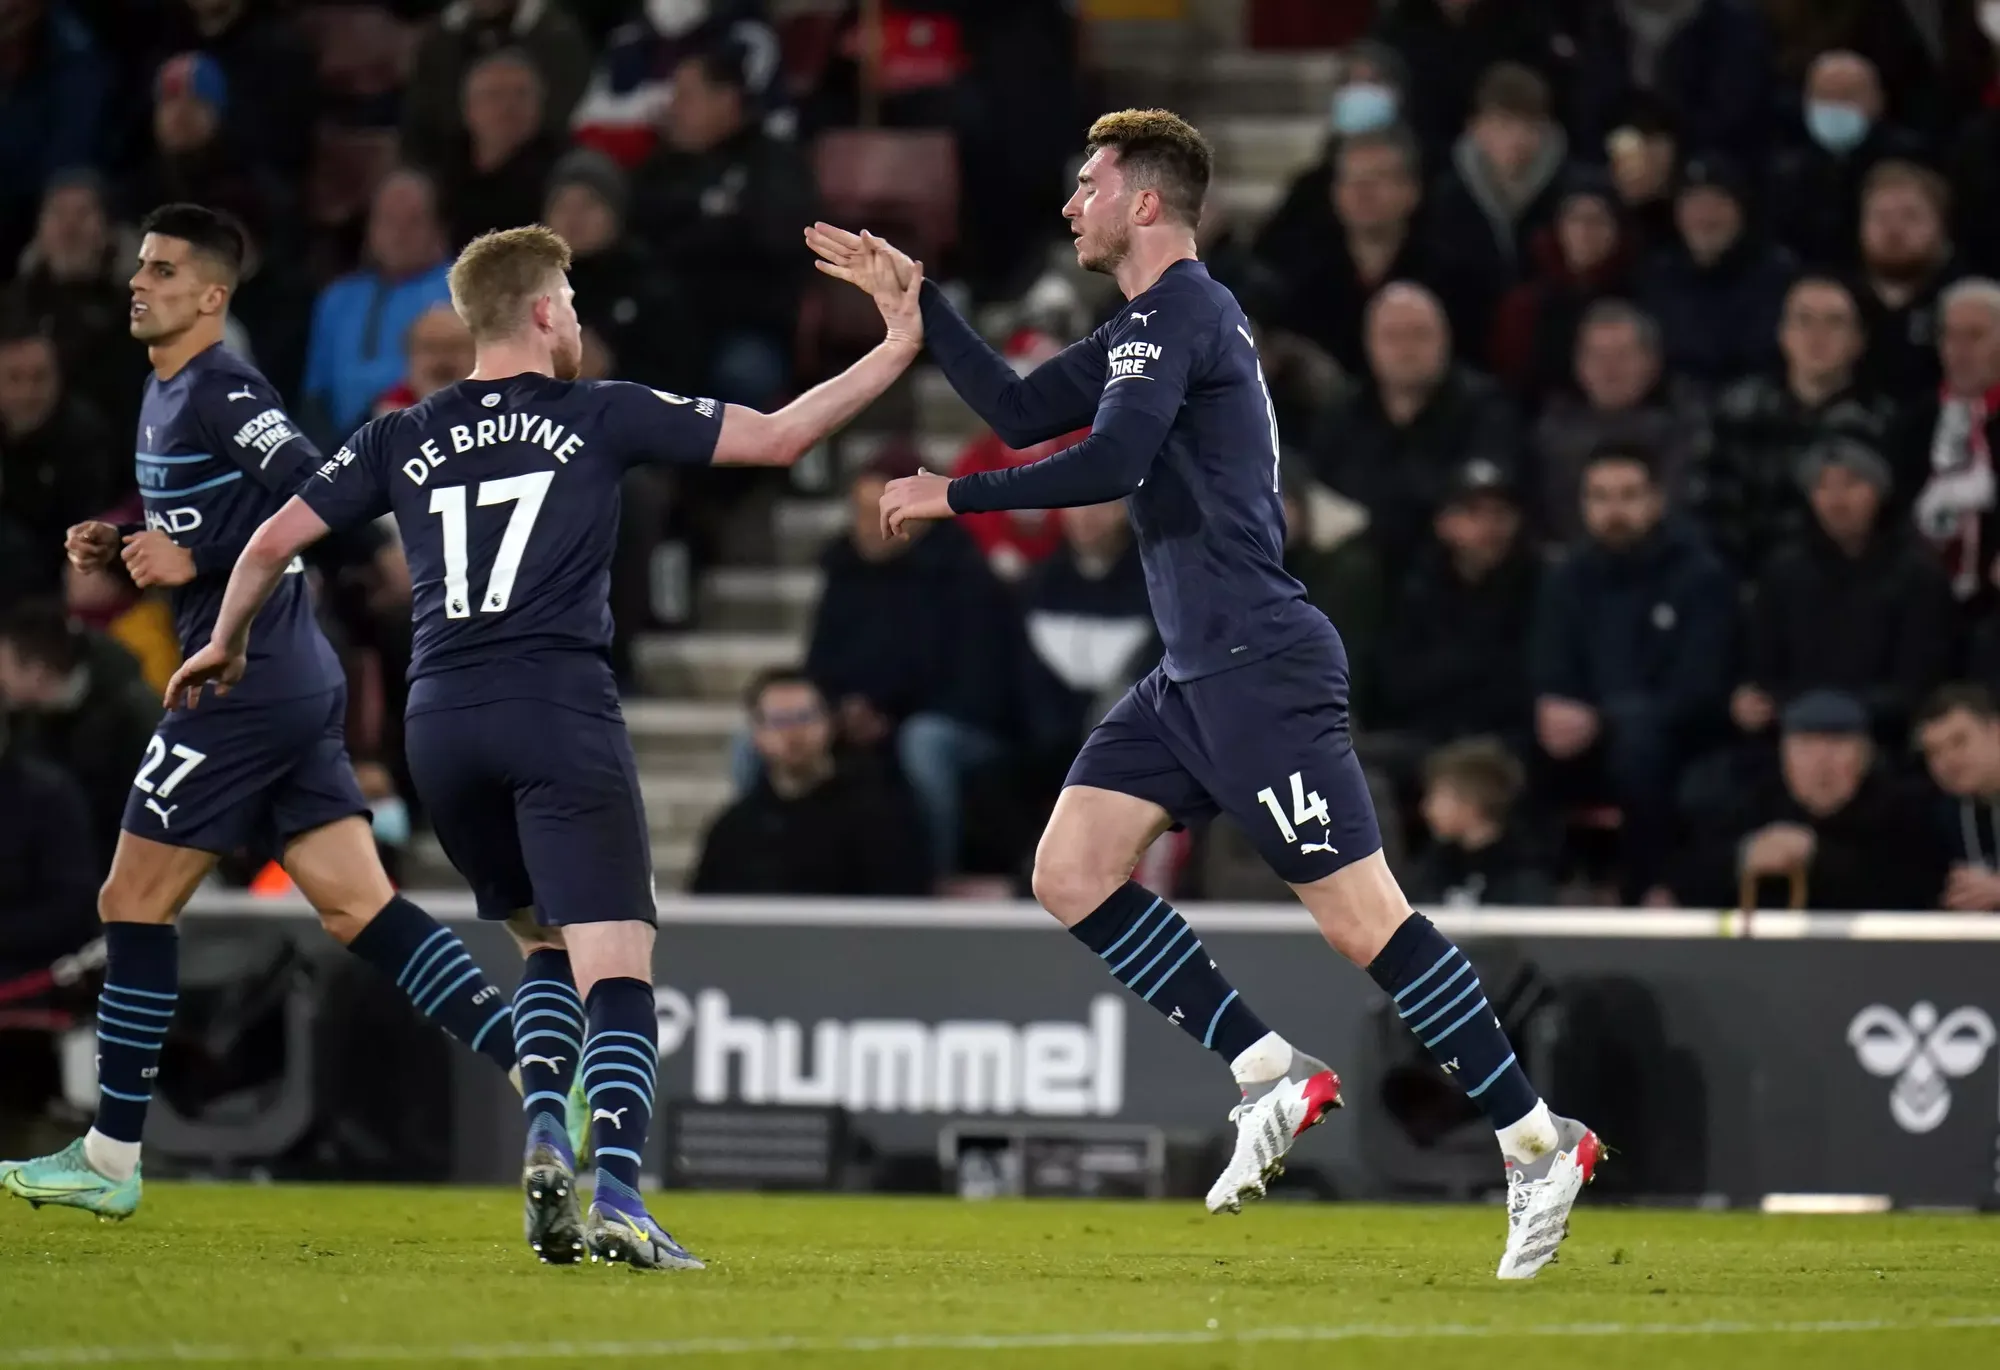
(212,665)
(843,254)
(921,496)
(153,558)
(91,545)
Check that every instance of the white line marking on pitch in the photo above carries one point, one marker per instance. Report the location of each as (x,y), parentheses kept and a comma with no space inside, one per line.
(184,1353)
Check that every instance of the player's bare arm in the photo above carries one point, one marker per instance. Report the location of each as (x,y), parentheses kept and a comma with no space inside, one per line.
(258,571)
(749,438)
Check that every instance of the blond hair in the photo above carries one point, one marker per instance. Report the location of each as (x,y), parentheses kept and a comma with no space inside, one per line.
(499,276)
(1160,151)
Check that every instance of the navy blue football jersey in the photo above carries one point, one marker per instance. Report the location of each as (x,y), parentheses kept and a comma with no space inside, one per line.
(506,496)
(217,455)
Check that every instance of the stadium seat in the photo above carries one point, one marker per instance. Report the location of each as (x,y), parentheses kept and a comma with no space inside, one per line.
(1308,23)
(364,50)
(898,182)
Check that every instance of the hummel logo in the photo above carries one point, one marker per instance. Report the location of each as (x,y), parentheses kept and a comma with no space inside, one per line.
(1308,848)
(552,1062)
(165,814)
(1145,318)
(616,1116)
(243,394)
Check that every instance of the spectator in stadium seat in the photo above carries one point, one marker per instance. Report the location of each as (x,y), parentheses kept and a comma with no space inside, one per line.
(624,297)
(1586,256)
(498,175)
(1959,733)
(1450,44)
(918,645)
(48,866)
(1746,493)
(1630,658)
(439,346)
(1857,603)
(54,91)
(724,203)
(1955,436)
(1974,152)
(1934,58)
(1862,835)
(269,66)
(1087,612)
(1708,62)
(813,823)
(1015,541)
(78,701)
(1643,155)
(1455,649)
(1477,853)
(1625,397)
(1342,576)
(1502,188)
(1814,190)
(632,80)
(59,463)
(1718,289)
(465,32)
(72,287)
(361,319)
(1391,441)
(1906,263)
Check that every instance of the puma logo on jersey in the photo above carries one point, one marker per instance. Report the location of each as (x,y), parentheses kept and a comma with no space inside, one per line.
(244,394)
(1146,318)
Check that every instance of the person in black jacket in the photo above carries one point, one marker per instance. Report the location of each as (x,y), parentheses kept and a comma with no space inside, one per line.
(1454,655)
(810,824)
(59,462)
(495,176)
(270,67)
(48,863)
(1630,658)
(1907,263)
(1477,853)
(1450,44)
(624,298)
(1814,189)
(1862,837)
(1087,613)
(918,645)
(1707,61)
(1852,605)
(1958,731)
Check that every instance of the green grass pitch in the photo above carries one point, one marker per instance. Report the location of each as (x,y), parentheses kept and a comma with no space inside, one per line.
(239,1275)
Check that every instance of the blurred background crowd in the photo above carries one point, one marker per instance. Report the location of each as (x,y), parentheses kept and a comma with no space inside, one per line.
(1637,365)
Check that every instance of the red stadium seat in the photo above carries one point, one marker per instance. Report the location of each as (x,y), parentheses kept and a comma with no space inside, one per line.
(364,50)
(1308,23)
(899,182)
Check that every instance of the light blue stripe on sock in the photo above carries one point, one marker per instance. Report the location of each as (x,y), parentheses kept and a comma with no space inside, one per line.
(104,1036)
(608,1033)
(1137,923)
(1169,974)
(104,1017)
(599,1046)
(522,1039)
(598,1091)
(421,987)
(169,996)
(1411,988)
(437,1000)
(1168,921)
(567,998)
(559,1100)
(1456,1000)
(440,963)
(1165,947)
(105,997)
(593,1070)
(422,947)
(1209,1037)
(1459,1024)
(631,1156)
(480,1036)
(1487,1083)
(1450,980)
(128,1098)
(535,1013)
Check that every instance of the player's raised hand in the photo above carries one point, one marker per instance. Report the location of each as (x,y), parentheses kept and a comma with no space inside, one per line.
(91,545)
(904,318)
(921,496)
(153,558)
(848,257)
(212,665)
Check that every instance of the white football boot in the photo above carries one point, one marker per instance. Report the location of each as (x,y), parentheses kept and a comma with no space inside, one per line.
(1540,1195)
(1271,1117)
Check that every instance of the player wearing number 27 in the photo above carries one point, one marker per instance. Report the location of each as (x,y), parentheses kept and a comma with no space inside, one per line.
(505,491)
(1247,712)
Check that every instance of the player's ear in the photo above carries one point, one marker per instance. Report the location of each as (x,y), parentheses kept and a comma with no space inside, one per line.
(1147,208)
(544,312)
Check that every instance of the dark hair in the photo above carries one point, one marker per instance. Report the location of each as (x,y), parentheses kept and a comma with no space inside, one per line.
(18,325)
(1158,150)
(771,676)
(40,633)
(211,233)
(1637,453)
(1897,171)
(1395,138)
(1968,695)
(1826,280)
(1481,769)
(1510,88)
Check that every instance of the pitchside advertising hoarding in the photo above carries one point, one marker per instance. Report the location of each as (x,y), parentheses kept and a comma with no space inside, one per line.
(1802,1053)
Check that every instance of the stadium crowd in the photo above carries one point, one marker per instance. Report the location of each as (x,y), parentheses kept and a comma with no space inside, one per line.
(1637,366)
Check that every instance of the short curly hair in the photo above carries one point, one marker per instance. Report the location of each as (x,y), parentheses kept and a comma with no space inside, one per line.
(497,278)
(1158,150)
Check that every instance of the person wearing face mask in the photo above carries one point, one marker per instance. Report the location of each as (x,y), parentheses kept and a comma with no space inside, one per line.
(1814,189)
(1975,188)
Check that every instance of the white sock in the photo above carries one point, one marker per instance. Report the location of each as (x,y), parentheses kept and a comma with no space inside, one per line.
(1265,1059)
(1533,1137)
(114,1160)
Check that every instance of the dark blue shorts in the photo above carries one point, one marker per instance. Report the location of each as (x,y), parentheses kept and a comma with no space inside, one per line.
(538,806)
(228,776)
(1265,743)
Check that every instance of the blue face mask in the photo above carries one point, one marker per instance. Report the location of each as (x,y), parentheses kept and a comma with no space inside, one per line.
(1836,125)
(1363,108)
(391,821)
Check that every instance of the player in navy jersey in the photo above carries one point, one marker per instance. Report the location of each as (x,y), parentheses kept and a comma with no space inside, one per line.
(268,770)
(505,489)
(1247,712)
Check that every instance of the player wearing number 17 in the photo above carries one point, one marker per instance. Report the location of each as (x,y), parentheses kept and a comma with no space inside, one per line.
(505,490)
(1247,712)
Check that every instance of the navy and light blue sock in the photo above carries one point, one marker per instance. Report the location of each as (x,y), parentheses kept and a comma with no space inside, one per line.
(141,984)
(548,1042)
(1438,995)
(621,1062)
(432,967)
(1151,950)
